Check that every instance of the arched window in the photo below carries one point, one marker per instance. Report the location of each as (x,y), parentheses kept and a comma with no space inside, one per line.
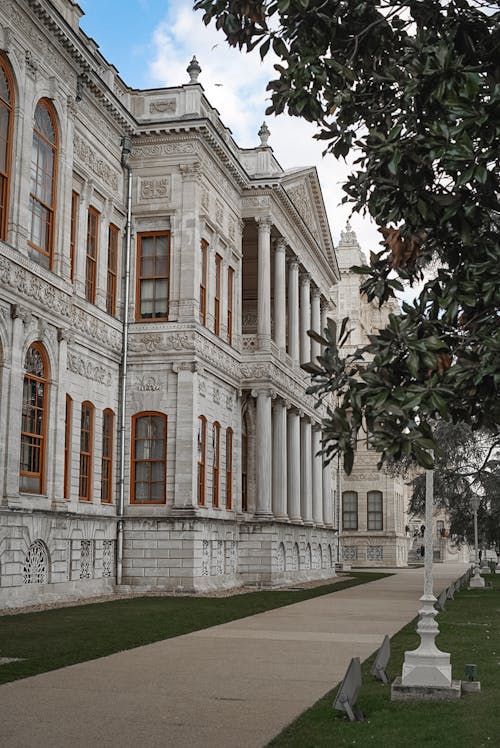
(43,180)
(149,458)
(67,446)
(107,456)
(6,122)
(216,465)
(349,510)
(86,451)
(375,512)
(229,468)
(34,420)
(244,463)
(202,443)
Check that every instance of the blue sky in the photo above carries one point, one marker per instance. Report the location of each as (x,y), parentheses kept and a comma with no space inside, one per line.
(150,42)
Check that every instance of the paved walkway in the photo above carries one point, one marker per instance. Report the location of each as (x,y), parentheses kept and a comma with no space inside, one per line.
(231,686)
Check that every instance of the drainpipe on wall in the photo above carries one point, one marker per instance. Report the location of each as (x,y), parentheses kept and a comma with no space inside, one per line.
(126,149)
(339,500)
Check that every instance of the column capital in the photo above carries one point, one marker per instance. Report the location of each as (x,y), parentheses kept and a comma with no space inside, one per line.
(305,279)
(264,223)
(294,264)
(324,304)
(263,391)
(315,292)
(280,244)
(316,426)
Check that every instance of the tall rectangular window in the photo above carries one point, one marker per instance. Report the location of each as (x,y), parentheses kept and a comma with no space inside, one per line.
(218,276)
(113,234)
(86,448)
(107,457)
(73,234)
(203,282)
(350,510)
(216,465)
(230,303)
(229,468)
(153,267)
(375,513)
(92,249)
(202,441)
(67,447)
(149,458)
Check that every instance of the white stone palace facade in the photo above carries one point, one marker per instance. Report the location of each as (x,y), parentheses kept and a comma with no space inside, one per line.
(156,285)
(373,503)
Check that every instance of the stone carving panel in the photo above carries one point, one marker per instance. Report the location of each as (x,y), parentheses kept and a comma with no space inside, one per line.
(163,149)
(154,188)
(88,369)
(205,559)
(281,558)
(148,384)
(375,553)
(350,553)
(162,106)
(87,155)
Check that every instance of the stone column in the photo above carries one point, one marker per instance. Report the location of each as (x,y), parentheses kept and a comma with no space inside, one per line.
(324,310)
(263,453)
(293,460)
(293,310)
(280,294)
(264,285)
(315,321)
(279,460)
(305,471)
(305,317)
(317,477)
(327,495)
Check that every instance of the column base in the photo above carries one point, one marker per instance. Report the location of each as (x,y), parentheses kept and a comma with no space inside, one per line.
(399,692)
(263,516)
(426,671)
(184,511)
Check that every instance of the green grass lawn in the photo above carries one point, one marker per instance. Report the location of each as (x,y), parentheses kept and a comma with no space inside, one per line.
(470,632)
(63,636)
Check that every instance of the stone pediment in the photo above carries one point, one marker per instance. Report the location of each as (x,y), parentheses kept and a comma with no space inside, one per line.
(303,188)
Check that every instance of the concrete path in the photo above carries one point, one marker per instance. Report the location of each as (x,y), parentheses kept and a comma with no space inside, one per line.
(231,686)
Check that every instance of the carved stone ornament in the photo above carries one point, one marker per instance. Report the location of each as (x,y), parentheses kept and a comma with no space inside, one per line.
(87,155)
(20,312)
(216,395)
(36,564)
(148,384)
(163,105)
(163,149)
(154,188)
(88,369)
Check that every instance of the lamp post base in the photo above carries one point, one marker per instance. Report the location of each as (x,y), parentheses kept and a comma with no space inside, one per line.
(476,582)
(425,693)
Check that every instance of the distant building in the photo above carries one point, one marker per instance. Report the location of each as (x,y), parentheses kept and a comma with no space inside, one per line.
(156,285)
(373,504)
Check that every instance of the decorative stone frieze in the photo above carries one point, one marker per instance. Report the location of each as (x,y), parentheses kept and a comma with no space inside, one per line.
(148,383)
(97,165)
(88,369)
(163,149)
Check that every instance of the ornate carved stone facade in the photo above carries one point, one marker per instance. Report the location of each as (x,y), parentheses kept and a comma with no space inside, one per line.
(235,492)
(373,504)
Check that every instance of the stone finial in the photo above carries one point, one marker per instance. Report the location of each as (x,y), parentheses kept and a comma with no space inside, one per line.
(348,237)
(264,134)
(194,70)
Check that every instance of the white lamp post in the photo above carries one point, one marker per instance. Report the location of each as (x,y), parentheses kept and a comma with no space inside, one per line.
(427,666)
(476,582)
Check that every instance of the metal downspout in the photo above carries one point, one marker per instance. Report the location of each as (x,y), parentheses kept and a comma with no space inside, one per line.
(126,149)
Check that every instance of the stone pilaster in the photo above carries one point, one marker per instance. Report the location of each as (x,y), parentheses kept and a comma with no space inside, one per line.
(280,294)
(327,495)
(263,452)
(305,471)
(279,460)
(317,477)
(186,447)
(264,285)
(293,460)
(188,238)
(305,317)
(293,310)
(315,321)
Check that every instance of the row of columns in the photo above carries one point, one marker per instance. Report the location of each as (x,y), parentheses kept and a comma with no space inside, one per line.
(292,482)
(305,311)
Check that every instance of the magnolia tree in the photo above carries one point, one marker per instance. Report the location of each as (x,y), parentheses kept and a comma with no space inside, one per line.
(413,89)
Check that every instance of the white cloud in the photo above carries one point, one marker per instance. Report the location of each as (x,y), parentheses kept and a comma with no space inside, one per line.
(235,84)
